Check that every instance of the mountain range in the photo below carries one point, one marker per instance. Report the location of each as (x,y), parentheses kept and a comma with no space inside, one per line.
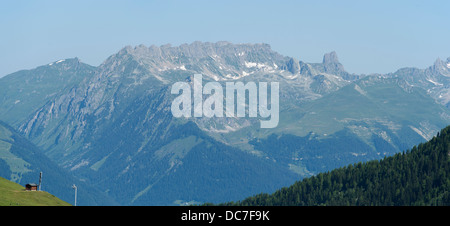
(110,126)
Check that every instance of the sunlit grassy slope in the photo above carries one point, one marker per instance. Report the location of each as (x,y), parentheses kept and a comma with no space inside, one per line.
(12,194)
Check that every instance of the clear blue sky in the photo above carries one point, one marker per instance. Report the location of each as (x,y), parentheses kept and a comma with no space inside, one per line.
(368,36)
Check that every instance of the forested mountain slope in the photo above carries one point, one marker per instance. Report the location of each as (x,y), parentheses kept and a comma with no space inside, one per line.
(420,176)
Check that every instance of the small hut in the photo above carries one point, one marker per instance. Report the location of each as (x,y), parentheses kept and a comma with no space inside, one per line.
(31,187)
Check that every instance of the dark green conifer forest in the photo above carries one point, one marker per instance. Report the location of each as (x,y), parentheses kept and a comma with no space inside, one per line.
(417,177)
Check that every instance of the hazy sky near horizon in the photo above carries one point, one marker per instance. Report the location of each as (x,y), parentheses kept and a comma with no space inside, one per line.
(368,36)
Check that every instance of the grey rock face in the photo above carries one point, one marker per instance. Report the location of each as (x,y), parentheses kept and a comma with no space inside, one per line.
(330,58)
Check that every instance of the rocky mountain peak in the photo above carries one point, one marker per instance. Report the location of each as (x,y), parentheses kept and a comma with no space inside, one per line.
(331,65)
(330,58)
(438,62)
(196,50)
(440,67)
(219,61)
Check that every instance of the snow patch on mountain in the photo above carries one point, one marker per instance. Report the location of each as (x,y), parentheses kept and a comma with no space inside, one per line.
(357,88)
(435,83)
(419,132)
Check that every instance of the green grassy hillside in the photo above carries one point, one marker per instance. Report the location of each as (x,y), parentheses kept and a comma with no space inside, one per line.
(12,194)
